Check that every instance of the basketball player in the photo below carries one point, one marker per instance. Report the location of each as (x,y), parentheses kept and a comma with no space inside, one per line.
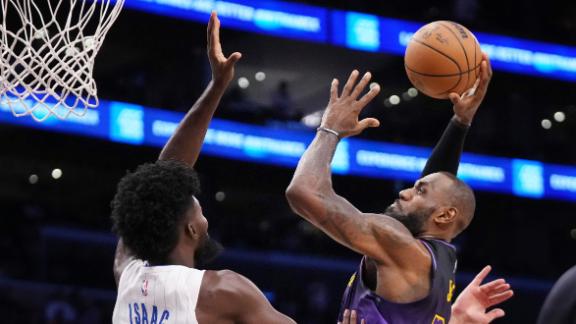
(407,273)
(560,304)
(470,306)
(164,235)
(159,220)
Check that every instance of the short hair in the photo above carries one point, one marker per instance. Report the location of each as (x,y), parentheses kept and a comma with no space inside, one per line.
(462,196)
(150,204)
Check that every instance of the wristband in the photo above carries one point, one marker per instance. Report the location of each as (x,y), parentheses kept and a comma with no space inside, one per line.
(328,130)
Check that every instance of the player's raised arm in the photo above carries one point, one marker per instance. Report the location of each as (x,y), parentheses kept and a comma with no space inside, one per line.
(186,142)
(446,154)
(311,195)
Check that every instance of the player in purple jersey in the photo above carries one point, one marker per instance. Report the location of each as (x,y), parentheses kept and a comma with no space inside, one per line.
(407,272)
(470,306)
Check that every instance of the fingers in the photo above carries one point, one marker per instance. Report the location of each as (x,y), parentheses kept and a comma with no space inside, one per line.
(346,317)
(488,63)
(209,30)
(359,88)
(501,288)
(234,57)
(500,298)
(494,288)
(368,97)
(485,76)
(214,46)
(334,89)
(481,276)
(454,98)
(350,317)
(492,285)
(353,317)
(494,314)
(350,83)
(470,92)
(368,122)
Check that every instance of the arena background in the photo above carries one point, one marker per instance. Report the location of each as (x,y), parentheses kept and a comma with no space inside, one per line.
(56,249)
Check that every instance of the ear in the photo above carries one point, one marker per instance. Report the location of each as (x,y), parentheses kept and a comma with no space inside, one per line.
(192,231)
(446,215)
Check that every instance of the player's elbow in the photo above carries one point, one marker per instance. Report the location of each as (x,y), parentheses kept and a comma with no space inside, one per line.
(295,194)
(300,199)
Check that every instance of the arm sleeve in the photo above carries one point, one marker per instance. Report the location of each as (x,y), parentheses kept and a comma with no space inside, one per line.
(446,154)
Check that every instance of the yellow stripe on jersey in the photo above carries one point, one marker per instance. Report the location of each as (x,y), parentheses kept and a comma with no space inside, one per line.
(451,287)
(351,281)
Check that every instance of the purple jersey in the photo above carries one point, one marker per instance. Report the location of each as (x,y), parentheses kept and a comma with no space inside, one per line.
(433,309)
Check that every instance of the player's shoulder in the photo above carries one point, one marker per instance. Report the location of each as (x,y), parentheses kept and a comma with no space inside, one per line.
(227,292)
(226,282)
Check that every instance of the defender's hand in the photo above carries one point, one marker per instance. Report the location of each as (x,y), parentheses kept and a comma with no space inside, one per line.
(222,67)
(465,106)
(342,112)
(472,304)
(350,317)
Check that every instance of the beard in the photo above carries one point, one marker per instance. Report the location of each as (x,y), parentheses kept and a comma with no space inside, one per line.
(414,221)
(208,251)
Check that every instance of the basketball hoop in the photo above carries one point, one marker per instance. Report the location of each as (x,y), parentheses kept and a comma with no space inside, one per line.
(47,52)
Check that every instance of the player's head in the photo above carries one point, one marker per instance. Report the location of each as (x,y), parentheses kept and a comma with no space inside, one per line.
(156,213)
(438,203)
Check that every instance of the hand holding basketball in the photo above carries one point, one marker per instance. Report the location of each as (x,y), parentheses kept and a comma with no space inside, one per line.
(222,67)
(465,106)
(342,112)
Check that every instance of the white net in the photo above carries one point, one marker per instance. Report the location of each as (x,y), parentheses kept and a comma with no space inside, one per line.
(47,52)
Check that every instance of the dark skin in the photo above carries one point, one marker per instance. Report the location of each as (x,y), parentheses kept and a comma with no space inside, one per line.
(225,296)
(398,263)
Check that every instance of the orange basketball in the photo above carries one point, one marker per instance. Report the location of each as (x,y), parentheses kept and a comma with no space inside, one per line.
(443,57)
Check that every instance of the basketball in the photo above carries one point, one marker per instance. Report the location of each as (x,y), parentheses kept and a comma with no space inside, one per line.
(443,57)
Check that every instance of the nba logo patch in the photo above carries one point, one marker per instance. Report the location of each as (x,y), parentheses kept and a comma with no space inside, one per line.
(144,288)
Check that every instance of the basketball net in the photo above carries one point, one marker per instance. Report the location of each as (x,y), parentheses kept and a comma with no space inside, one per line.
(47,52)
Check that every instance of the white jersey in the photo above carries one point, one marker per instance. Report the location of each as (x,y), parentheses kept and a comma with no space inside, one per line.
(157,295)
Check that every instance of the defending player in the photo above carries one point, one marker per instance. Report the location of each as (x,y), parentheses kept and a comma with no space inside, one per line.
(158,218)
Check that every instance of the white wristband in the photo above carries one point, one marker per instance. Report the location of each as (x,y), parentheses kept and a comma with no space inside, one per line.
(328,130)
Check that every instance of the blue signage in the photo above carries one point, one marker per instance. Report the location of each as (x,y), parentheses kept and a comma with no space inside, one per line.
(276,18)
(528,178)
(137,125)
(361,31)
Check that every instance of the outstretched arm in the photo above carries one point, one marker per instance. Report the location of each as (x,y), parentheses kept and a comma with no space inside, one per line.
(310,194)
(446,154)
(471,306)
(186,142)
(235,299)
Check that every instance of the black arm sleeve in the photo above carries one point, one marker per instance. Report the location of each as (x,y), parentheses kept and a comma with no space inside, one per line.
(446,154)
